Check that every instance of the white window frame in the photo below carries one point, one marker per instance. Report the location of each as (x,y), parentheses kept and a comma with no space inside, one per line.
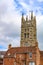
(31,63)
(30,55)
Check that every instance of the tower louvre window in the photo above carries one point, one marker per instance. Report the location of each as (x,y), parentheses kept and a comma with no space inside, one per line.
(24,35)
(28,29)
(25,30)
(27,35)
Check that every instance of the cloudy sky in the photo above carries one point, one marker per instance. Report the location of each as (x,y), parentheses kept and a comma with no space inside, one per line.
(10,20)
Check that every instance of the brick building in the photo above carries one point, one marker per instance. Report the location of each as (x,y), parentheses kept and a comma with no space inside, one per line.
(28,53)
(2,53)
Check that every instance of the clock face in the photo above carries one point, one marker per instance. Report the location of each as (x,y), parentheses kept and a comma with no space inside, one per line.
(20,56)
(26,44)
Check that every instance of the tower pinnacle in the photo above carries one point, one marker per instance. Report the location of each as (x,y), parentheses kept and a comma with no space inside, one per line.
(26,18)
(22,17)
(31,15)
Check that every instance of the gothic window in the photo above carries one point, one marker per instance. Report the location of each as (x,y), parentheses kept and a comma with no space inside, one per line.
(27,35)
(25,30)
(31,63)
(24,35)
(30,55)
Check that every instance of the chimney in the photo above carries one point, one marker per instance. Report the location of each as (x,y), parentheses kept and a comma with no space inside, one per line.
(9,46)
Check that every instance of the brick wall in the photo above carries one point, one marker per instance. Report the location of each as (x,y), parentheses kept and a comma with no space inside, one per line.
(20,56)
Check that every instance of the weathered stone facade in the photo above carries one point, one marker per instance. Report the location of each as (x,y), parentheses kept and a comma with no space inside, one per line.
(28,31)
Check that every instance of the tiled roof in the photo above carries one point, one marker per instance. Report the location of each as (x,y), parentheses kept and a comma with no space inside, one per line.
(14,50)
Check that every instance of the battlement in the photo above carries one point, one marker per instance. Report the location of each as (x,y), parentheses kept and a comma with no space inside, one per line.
(32,17)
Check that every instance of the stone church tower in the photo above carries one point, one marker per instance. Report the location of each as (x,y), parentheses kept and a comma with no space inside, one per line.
(28,53)
(28,31)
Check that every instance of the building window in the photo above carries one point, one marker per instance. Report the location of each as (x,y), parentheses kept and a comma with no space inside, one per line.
(1,56)
(27,35)
(24,35)
(30,55)
(31,63)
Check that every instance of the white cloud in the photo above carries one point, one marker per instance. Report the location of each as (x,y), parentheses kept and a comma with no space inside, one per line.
(9,24)
(40,0)
(39,30)
(31,2)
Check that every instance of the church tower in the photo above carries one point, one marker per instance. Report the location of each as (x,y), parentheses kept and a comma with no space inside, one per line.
(28,31)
